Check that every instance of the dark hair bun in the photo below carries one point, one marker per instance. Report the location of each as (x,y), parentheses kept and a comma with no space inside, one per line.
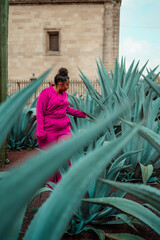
(63,72)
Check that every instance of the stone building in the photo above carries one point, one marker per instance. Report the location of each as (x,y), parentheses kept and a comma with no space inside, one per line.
(62,33)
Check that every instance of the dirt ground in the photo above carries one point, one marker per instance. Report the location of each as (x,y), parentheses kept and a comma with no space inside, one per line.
(17,157)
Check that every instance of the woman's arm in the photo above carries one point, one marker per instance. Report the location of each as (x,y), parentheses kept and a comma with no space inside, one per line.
(40,112)
(76,113)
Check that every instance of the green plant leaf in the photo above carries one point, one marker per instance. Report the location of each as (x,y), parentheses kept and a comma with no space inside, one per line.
(153,85)
(133,208)
(146,193)
(108,79)
(128,74)
(39,192)
(151,207)
(152,137)
(90,88)
(115,75)
(127,219)
(104,81)
(15,105)
(134,75)
(146,172)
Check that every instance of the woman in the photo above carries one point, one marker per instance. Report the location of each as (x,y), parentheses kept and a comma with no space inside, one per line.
(53,124)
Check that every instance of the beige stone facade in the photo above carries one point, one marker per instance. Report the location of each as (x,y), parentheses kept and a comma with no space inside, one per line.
(87,30)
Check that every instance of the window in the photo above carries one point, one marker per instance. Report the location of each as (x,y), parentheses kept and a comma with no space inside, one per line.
(52,42)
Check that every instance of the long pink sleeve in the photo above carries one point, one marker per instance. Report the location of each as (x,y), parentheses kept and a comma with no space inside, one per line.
(75,113)
(40,111)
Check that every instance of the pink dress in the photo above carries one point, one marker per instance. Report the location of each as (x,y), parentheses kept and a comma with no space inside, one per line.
(53,124)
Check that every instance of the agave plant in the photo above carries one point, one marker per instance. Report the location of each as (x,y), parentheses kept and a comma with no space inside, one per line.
(148,110)
(141,102)
(7,120)
(119,86)
(52,218)
(66,189)
(86,105)
(87,215)
(153,85)
(94,111)
(22,133)
(148,194)
(153,140)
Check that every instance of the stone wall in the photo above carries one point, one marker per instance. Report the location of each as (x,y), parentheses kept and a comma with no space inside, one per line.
(82,40)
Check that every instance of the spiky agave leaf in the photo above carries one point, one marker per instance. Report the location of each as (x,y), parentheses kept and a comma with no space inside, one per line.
(148,194)
(152,137)
(90,88)
(7,113)
(133,208)
(153,85)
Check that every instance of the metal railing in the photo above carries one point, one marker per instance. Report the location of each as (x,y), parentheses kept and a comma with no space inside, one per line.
(75,86)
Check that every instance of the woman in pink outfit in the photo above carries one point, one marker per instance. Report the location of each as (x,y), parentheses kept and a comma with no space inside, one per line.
(53,124)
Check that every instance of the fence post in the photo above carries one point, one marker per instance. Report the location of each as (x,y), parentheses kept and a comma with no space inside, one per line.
(19,87)
(33,78)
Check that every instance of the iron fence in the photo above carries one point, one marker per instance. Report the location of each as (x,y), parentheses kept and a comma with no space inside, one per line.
(75,86)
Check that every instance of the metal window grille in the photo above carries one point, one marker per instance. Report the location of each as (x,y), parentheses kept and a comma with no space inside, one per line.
(54,41)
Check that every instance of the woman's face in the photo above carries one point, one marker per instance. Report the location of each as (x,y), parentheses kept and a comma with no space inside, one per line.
(64,86)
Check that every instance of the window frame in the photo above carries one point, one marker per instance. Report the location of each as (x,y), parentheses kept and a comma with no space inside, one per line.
(49,31)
